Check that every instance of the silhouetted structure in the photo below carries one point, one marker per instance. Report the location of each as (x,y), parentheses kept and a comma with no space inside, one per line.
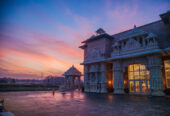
(70,76)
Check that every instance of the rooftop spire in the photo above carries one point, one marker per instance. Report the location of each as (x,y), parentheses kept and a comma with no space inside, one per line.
(134,26)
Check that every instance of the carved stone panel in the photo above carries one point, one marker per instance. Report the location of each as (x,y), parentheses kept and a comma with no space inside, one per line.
(131,44)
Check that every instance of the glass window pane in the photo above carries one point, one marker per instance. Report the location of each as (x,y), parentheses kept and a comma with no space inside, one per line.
(136,67)
(137,86)
(131,86)
(136,77)
(142,67)
(148,85)
(140,76)
(130,67)
(136,73)
(168,83)
(144,86)
(142,72)
(167,73)
(167,63)
(130,75)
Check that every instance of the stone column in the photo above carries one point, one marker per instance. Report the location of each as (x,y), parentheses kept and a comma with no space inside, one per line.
(89,87)
(98,82)
(92,76)
(118,78)
(95,82)
(86,78)
(65,82)
(156,80)
(73,81)
(103,78)
(70,82)
(143,42)
(92,87)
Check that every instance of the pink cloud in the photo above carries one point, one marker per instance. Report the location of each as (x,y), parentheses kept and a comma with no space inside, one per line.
(37,52)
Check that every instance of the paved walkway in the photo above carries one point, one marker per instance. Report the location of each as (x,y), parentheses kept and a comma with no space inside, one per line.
(43,103)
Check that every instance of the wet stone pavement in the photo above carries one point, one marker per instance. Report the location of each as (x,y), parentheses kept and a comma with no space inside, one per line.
(44,103)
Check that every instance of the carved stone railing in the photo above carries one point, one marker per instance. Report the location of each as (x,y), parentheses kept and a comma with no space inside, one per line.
(135,45)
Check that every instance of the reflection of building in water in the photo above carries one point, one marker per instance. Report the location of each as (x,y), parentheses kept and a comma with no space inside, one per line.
(136,61)
(71,75)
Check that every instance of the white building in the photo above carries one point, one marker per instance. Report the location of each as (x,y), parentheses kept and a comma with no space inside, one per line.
(136,61)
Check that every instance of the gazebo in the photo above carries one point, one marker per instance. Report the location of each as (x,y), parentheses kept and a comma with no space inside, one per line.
(70,76)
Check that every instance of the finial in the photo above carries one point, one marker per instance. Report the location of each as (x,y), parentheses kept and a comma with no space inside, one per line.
(100,31)
(134,26)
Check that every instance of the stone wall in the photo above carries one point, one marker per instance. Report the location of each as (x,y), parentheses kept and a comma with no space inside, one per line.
(95,78)
(97,49)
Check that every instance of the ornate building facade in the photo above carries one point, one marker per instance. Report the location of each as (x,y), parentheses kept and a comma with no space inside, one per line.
(136,61)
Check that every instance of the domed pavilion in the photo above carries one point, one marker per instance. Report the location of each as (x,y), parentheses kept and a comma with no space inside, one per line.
(70,76)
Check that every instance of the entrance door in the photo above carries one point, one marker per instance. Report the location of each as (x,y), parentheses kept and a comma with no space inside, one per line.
(138,77)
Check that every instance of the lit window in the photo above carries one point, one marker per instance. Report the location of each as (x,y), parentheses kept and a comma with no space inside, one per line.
(130,68)
(167,72)
(131,86)
(137,86)
(138,77)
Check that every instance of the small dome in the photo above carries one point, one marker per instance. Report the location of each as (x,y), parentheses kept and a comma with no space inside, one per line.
(100,31)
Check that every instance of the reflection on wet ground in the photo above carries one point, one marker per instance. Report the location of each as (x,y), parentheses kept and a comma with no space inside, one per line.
(44,103)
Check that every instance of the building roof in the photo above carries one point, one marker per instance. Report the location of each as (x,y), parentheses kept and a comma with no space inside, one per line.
(166,17)
(92,38)
(132,33)
(72,71)
(83,46)
(159,28)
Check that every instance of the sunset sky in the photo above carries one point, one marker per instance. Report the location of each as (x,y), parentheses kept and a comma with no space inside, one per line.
(42,36)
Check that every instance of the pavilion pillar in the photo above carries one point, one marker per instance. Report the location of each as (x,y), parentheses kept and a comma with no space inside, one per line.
(79,86)
(65,82)
(70,82)
(73,84)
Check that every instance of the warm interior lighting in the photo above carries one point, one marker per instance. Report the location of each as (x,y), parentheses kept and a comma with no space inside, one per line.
(109,82)
(125,82)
